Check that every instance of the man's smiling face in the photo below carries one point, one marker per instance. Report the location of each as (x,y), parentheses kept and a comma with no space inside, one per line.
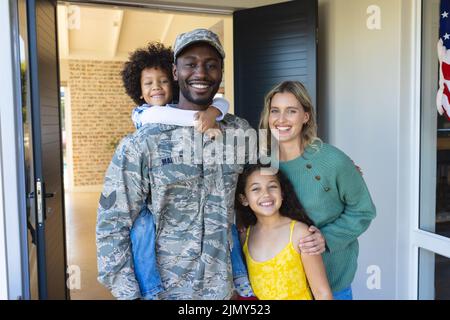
(198,70)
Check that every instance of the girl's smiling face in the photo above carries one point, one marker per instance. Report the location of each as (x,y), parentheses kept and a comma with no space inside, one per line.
(156,87)
(262,194)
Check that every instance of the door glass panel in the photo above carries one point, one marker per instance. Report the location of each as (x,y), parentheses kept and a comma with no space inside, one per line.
(434,276)
(28,150)
(435,132)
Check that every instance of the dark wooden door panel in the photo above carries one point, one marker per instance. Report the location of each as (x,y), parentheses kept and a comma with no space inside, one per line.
(47,147)
(273,44)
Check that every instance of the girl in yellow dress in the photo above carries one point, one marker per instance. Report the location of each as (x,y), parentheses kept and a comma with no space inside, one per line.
(274,219)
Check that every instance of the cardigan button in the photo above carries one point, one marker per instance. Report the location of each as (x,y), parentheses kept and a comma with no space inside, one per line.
(317,178)
(309,166)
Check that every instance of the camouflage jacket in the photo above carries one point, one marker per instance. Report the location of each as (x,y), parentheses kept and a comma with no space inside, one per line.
(193,205)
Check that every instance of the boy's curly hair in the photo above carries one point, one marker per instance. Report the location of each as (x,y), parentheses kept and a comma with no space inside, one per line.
(155,55)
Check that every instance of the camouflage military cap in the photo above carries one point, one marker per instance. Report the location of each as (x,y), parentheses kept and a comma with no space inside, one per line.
(184,40)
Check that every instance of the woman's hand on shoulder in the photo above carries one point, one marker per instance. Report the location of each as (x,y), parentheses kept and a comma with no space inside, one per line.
(312,243)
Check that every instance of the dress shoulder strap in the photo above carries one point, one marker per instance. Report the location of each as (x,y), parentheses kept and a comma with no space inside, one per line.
(246,236)
(292,230)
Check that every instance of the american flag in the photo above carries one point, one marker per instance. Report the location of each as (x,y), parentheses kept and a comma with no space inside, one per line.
(443,95)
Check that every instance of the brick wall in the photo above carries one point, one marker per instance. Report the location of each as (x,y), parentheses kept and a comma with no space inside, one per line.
(101,114)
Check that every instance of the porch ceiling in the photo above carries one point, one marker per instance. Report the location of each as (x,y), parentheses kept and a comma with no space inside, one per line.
(111,32)
(106,33)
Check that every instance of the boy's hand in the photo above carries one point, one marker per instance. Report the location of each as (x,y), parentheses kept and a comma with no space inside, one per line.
(214,131)
(204,120)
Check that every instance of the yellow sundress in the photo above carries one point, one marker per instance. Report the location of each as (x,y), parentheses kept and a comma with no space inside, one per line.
(281,277)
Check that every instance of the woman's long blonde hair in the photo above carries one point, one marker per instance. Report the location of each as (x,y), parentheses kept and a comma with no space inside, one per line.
(309,129)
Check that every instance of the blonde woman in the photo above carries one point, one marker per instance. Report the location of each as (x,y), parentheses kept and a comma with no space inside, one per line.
(326,182)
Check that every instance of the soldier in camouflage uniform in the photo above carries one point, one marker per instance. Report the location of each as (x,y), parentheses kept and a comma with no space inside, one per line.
(192,201)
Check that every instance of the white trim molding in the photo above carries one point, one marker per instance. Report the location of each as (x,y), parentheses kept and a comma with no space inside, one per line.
(408,166)
(159,5)
(3,261)
(431,242)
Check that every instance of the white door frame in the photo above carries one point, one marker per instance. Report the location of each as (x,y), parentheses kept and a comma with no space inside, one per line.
(429,241)
(409,176)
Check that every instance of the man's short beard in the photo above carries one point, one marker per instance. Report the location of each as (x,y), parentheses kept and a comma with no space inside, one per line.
(200,102)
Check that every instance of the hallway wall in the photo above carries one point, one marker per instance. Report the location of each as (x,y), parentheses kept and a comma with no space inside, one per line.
(100,117)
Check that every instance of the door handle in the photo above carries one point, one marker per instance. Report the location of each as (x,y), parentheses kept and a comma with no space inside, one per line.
(40,202)
(47,195)
(41,195)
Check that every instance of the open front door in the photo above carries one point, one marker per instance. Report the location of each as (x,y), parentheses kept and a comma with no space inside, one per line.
(47,190)
(273,44)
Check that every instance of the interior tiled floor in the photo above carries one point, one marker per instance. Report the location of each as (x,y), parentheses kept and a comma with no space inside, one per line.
(81,215)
